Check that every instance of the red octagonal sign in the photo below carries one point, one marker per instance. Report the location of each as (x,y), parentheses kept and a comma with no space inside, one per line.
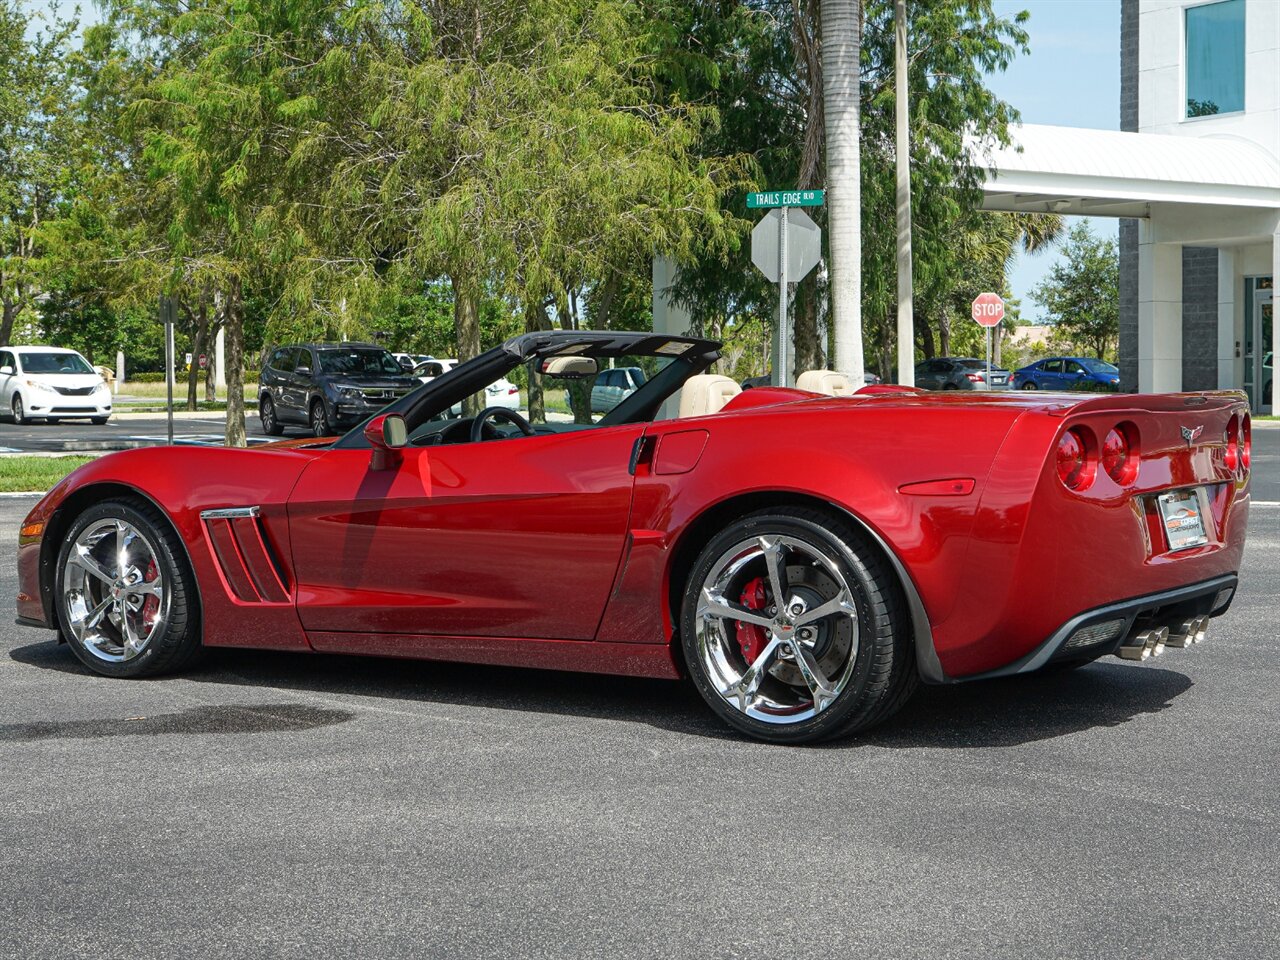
(988,309)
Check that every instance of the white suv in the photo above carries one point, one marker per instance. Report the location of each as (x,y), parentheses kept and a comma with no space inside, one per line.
(52,384)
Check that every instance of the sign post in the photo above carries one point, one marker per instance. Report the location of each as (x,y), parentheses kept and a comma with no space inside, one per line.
(167,317)
(988,310)
(785,246)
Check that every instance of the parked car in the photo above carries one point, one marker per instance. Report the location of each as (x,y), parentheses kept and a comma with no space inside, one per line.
(613,386)
(1068,373)
(327,386)
(51,383)
(410,360)
(959,373)
(429,368)
(897,538)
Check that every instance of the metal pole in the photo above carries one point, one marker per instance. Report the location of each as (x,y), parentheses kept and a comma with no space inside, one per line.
(166,312)
(781,362)
(906,306)
(988,358)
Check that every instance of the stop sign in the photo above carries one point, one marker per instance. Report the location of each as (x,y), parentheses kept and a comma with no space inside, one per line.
(988,309)
(204,361)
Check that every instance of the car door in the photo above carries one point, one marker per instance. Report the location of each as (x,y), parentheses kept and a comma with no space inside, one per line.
(7,380)
(501,538)
(1074,375)
(275,375)
(298,383)
(1051,377)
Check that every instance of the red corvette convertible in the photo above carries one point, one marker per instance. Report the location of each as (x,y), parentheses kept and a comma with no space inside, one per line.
(805,559)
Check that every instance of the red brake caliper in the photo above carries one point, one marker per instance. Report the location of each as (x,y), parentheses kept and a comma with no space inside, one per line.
(150,606)
(750,637)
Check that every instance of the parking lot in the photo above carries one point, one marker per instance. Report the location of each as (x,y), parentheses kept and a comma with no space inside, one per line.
(297,806)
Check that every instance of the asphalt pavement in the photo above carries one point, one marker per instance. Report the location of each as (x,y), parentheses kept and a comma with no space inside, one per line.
(272,805)
(122,433)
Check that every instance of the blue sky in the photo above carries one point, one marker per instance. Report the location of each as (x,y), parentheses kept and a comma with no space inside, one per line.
(1071,78)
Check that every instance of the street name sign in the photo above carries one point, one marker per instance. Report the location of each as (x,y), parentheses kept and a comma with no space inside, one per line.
(786,198)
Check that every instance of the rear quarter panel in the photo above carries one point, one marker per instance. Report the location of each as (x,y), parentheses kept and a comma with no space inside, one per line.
(852,452)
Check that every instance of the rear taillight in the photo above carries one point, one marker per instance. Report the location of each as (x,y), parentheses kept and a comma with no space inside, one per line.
(1246,442)
(1120,454)
(1077,461)
(1231,456)
(974,377)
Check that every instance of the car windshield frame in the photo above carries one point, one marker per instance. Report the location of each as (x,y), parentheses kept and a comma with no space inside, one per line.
(390,368)
(54,356)
(689,356)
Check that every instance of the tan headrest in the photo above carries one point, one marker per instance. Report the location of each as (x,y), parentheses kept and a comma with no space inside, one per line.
(825,381)
(706,394)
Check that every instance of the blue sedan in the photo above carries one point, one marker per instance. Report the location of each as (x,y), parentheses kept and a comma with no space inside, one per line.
(1067,373)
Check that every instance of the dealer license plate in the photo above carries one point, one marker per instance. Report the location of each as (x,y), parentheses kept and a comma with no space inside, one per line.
(1183,521)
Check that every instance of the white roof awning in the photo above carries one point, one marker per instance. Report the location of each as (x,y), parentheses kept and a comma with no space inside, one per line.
(1109,173)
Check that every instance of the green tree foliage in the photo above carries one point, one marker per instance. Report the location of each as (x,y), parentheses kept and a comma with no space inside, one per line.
(1081,295)
(38,133)
(767,86)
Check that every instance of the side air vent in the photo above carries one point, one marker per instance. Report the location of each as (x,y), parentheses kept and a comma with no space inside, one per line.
(244,555)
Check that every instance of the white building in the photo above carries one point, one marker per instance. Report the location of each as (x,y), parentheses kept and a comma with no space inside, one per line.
(1195,177)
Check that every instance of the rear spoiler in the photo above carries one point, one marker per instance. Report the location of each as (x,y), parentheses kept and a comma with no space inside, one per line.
(1152,402)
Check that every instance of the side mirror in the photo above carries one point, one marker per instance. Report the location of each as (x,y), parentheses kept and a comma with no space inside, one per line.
(302,370)
(387,433)
(7,370)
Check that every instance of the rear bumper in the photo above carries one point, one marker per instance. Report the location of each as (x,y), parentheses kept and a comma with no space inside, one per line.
(1168,607)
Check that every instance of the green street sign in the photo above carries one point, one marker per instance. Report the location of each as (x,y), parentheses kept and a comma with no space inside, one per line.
(786,198)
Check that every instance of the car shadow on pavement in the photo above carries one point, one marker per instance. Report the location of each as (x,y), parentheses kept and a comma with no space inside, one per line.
(991,713)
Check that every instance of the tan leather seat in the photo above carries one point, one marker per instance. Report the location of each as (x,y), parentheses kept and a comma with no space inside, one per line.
(706,394)
(826,382)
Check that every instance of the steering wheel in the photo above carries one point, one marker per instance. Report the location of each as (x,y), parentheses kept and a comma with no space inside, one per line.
(499,413)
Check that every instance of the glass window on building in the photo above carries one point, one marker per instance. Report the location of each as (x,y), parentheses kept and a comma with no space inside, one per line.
(1215,58)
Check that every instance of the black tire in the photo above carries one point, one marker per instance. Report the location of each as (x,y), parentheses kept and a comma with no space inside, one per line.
(949,386)
(1030,385)
(99,421)
(18,411)
(267,417)
(320,426)
(884,671)
(179,641)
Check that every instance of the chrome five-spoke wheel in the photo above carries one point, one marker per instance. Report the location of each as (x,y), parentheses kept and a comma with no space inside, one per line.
(124,591)
(113,591)
(794,627)
(777,629)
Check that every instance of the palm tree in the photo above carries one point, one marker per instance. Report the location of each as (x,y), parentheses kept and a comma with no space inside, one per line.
(841,75)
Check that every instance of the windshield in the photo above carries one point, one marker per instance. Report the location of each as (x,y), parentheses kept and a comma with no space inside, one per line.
(554,400)
(1099,366)
(361,361)
(67,363)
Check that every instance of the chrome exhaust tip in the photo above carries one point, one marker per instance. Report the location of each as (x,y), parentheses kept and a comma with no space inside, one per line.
(1139,648)
(1202,629)
(1157,641)
(1184,634)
